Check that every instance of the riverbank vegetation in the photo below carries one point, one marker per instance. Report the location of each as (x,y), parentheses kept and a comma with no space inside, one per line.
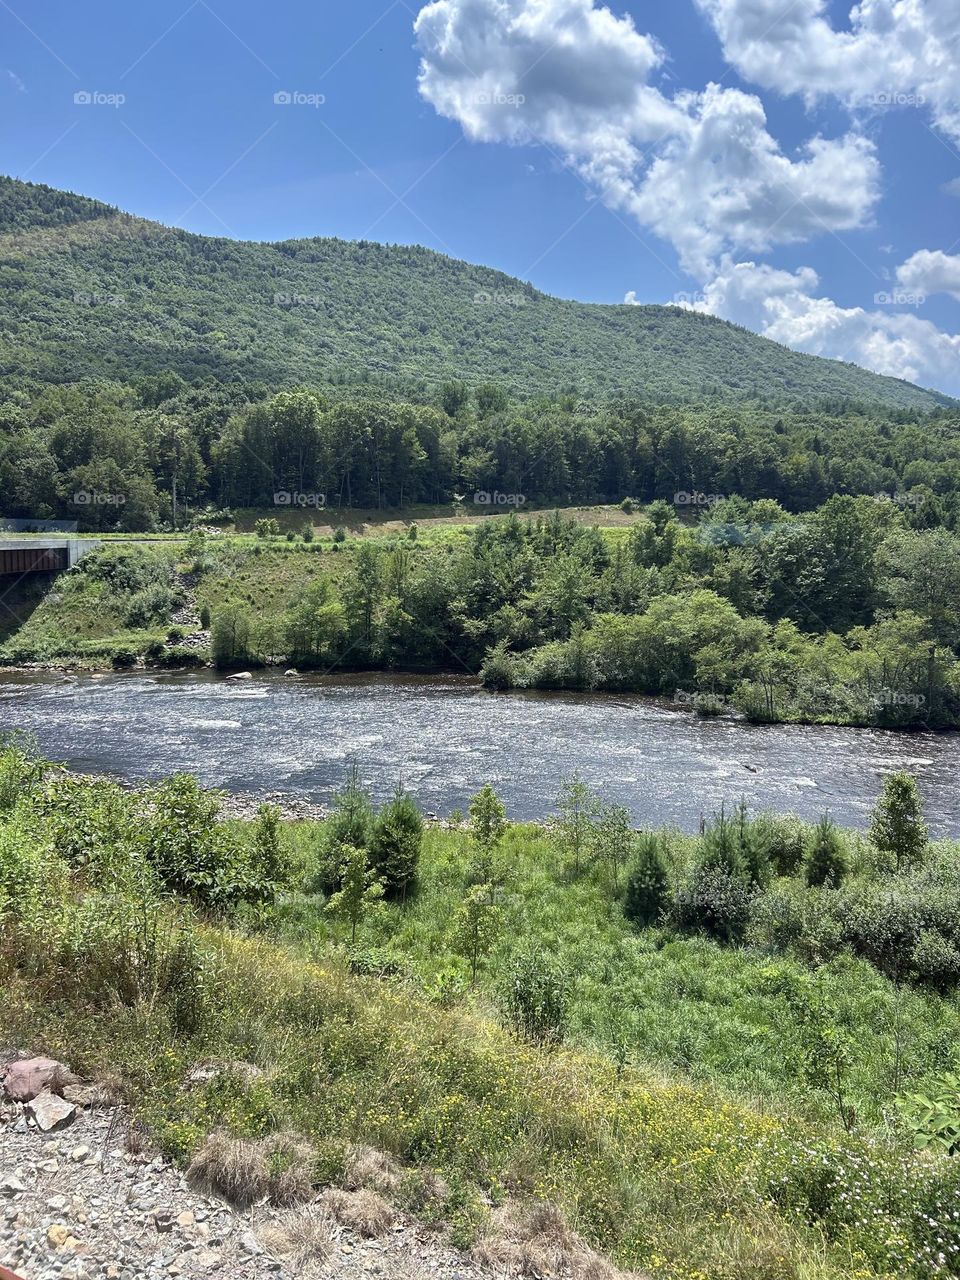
(846,614)
(516,1014)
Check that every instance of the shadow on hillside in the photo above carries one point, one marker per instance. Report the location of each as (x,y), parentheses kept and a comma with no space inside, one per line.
(19,597)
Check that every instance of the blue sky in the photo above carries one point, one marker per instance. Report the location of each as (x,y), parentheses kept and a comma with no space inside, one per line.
(807,195)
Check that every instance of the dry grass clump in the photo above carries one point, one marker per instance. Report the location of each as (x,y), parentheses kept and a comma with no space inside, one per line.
(364,1212)
(277,1169)
(301,1238)
(371,1169)
(536,1241)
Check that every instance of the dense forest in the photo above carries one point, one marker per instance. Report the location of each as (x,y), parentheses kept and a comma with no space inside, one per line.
(89,292)
(127,449)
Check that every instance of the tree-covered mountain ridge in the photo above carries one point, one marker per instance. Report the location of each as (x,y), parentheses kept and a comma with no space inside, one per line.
(88,291)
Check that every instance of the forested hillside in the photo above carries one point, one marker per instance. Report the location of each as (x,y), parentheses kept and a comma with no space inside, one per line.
(89,292)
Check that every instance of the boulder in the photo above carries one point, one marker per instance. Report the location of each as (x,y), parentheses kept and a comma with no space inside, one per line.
(51,1112)
(240,675)
(292,671)
(23,1080)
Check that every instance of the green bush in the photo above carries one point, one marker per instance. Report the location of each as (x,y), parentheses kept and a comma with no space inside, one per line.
(150,605)
(826,855)
(647,892)
(395,840)
(201,858)
(715,902)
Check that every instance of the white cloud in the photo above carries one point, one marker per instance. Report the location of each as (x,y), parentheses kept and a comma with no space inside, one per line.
(700,168)
(785,306)
(16,81)
(895,53)
(724,183)
(931,271)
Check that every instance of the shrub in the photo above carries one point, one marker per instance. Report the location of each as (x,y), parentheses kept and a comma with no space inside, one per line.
(722,849)
(21,769)
(149,605)
(826,856)
(205,617)
(270,863)
(714,902)
(883,926)
(792,919)
(647,891)
(935,960)
(267,528)
(307,532)
(193,853)
(179,655)
(934,1115)
(536,998)
(123,659)
(340,534)
(349,825)
(785,839)
(395,842)
(499,670)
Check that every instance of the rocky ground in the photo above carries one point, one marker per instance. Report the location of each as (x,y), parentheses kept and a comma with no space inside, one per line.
(84,1202)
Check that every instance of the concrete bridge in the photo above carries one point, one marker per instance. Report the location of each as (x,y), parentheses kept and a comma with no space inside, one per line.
(42,555)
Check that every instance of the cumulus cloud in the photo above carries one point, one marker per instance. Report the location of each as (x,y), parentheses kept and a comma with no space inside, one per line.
(701,169)
(787,307)
(895,53)
(931,271)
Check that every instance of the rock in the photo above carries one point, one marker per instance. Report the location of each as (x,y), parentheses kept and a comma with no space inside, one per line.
(11,1186)
(79,1154)
(292,672)
(250,1244)
(51,1112)
(23,1081)
(57,1235)
(186,1220)
(204,1072)
(81,1095)
(240,675)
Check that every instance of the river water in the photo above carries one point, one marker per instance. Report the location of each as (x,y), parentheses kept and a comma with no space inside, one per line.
(444,737)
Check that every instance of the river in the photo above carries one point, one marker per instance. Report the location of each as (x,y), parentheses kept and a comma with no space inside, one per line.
(444,737)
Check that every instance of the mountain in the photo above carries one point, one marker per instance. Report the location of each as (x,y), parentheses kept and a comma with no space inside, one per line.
(90,292)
